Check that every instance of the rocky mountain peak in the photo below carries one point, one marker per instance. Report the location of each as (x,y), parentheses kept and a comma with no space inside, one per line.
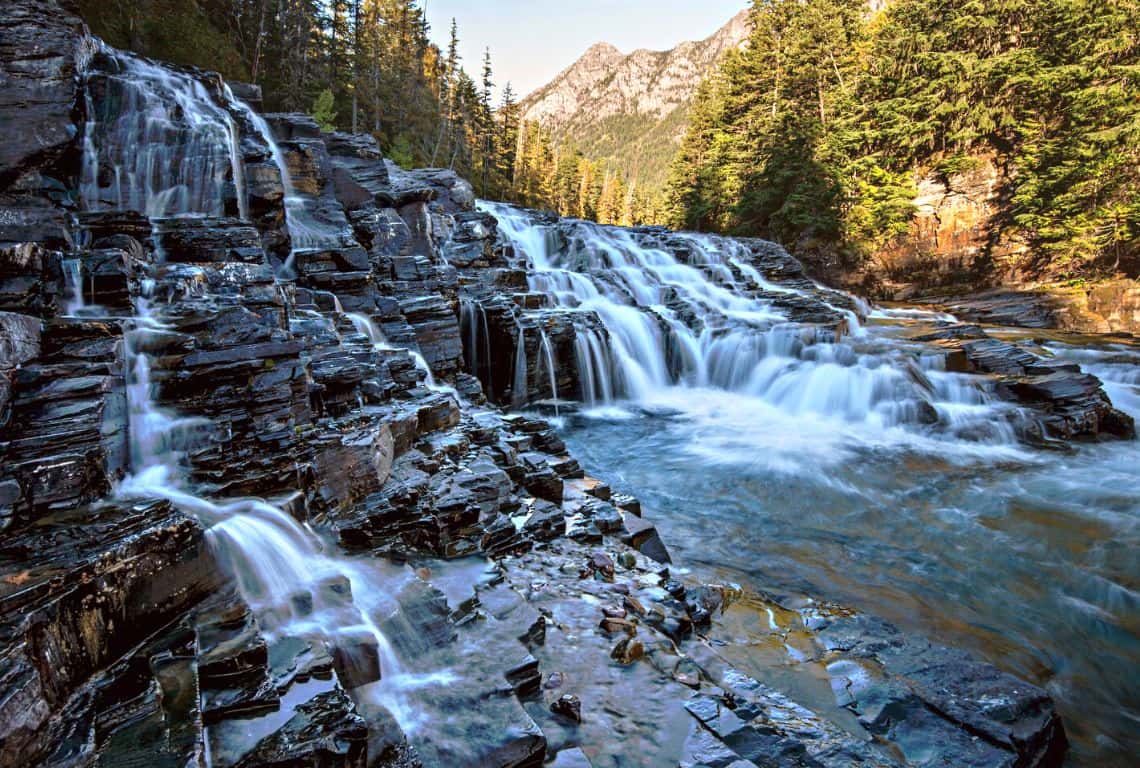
(604,82)
(600,51)
(606,101)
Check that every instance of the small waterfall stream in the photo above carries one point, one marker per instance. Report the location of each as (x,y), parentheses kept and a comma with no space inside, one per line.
(273,557)
(551,372)
(519,385)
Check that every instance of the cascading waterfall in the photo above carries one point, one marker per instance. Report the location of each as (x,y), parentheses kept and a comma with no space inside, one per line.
(272,556)
(476,337)
(713,321)
(364,326)
(168,146)
(548,353)
(73,279)
(305,232)
(165,145)
(162,145)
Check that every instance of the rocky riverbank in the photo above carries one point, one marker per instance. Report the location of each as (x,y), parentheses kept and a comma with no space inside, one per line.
(317,328)
(1104,307)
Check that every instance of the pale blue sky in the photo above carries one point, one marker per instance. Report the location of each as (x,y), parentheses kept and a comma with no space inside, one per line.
(533,41)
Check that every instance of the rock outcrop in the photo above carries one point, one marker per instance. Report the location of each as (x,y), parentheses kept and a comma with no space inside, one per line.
(1110,306)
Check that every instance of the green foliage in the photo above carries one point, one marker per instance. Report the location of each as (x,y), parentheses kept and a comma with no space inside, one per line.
(180,31)
(820,128)
(559,177)
(323,110)
(400,152)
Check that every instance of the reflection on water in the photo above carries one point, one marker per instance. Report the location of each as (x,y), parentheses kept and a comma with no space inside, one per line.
(1027,558)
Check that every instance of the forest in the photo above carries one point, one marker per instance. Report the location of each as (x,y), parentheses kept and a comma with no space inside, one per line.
(816,134)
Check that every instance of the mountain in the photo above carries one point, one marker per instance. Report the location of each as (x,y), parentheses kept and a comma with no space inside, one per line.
(631,109)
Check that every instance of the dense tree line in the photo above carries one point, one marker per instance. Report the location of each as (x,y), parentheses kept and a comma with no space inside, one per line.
(818,131)
(557,176)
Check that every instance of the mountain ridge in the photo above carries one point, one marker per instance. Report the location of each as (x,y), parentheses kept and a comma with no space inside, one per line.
(631,109)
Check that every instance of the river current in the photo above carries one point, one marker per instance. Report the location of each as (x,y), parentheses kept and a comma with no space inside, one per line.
(1025,557)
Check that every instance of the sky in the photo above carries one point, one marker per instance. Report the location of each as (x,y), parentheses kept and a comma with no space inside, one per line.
(531,41)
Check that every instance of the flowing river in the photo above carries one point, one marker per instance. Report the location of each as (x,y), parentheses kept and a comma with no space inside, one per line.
(855,466)
(1027,558)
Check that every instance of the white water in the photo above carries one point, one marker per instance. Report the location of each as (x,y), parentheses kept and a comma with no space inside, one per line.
(168,148)
(273,557)
(477,336)
(366,327)
(161,144)
(551,373)
(73,279)
(171,148)
(305,232)
(670,334)
(519,384)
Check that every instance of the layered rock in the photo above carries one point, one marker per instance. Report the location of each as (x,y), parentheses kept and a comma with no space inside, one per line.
(1110,306)
(1069,404)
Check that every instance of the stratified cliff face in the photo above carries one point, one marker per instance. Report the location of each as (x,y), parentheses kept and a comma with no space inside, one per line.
(627,106)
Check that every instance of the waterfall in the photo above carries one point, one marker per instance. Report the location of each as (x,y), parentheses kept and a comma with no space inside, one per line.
(476,335)
(305,231)
(272,556)
(161,143)
(364,326)
(158,142)
(519,384)
(548,353)
(655,313)
(73,280)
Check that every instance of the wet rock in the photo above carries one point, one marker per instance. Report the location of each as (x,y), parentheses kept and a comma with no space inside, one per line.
(356,657)
(26,218)
(31,279)
(43,47)
(196,240)
(325,732)
(233,664)
(628,650)
(65,440)
(525,677)
(19,339)
(84,595)
(354,464)
(1072,405)
(568,706)
(626,503)
(602,566)
(546,521)
(642,536)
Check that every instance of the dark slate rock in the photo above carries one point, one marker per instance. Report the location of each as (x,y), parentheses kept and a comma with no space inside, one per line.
(43,48)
